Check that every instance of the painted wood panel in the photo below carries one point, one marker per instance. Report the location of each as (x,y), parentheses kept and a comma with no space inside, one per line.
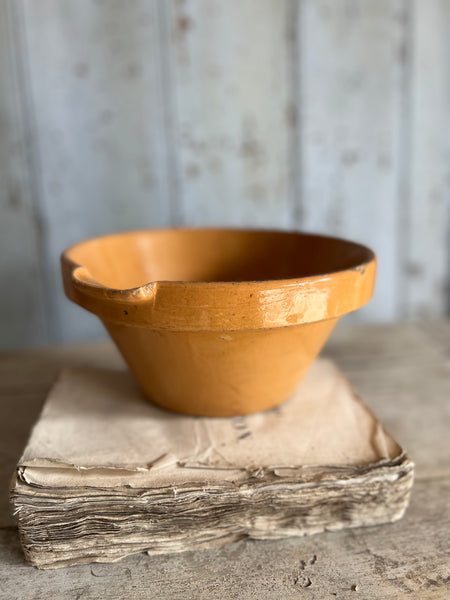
(22,297)
(234,110)
(350,90)
(322,115)
(97,93)
(427,186)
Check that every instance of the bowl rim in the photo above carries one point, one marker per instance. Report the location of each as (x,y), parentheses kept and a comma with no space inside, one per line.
(223,305)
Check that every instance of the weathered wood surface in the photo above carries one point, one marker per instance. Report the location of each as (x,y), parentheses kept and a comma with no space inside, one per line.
(234,103)
(22,304)
(98,117)
(321,114)
(350,91)
(427,160)
(403,373)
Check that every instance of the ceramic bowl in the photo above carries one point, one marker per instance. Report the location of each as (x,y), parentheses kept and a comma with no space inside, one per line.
(218,322)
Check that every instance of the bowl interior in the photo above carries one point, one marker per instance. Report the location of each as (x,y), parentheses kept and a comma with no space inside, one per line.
(129,260)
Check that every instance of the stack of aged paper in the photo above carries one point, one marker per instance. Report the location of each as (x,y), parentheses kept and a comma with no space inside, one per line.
(106,474)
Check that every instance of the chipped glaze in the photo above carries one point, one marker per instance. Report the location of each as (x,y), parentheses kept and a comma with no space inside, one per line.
(218,322)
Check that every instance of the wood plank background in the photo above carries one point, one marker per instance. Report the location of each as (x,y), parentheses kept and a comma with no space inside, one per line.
(324,115)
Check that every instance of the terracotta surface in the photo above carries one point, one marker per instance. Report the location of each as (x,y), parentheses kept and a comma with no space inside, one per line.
(218,322)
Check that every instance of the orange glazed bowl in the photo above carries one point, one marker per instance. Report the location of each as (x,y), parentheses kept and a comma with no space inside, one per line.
(218,322)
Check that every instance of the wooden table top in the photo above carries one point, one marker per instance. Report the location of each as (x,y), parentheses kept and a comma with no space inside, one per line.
(401,371)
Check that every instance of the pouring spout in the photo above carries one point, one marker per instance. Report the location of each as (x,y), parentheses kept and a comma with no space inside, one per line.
(120,305)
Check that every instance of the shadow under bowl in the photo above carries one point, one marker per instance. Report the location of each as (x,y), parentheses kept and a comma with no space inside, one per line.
(218,322)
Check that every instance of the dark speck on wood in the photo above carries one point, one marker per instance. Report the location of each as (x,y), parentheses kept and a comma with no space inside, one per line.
(302,581)
(291,115)
(14,199)
(133,71)
(81,70)
(192,171)
(403,53)
(349,157)
(413,269)
(250,148)
(184,24)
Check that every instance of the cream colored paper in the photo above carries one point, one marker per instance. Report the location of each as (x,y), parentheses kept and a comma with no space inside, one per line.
(98,429)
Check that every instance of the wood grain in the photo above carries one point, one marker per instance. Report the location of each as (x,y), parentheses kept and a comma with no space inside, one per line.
(22,301)
(234,111)
(427,264)
(320,115)
(99,137)
(349,94)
